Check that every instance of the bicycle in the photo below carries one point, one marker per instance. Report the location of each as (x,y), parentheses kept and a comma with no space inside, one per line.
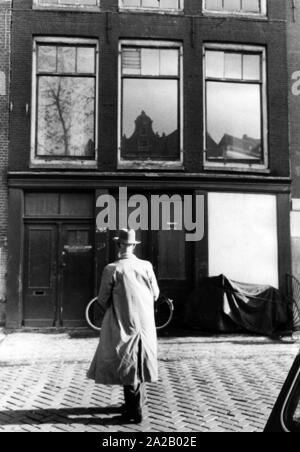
(163,311)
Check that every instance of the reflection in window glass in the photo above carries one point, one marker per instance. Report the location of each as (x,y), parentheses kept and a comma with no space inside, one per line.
(233,108)
(234,121)
(66,94)
(214,64)
(251,6)
(66,117)
(150,61)
(214,5)
(236,6)
(251,67)
(150,104)
(233,65)
(232,5)
(47,59)
(150,3)
(169,62)
(86,60)
(150,119)
(66,59)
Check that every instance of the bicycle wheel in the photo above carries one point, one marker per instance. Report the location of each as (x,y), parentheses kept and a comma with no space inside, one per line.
(163,311)
(93,314)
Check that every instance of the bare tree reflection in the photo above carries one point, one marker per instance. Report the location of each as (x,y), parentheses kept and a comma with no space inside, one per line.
(66,116)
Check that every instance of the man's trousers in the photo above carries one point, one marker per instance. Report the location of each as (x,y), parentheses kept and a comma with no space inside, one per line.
(134,399)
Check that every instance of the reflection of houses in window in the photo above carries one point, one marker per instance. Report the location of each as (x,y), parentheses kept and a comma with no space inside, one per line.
(146,144)
(231,147)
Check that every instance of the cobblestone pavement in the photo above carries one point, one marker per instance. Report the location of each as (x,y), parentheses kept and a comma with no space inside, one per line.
(207,384)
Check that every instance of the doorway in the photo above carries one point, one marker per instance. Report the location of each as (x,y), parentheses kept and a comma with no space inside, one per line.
(58,273)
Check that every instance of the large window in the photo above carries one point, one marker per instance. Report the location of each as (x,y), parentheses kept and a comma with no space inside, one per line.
(252,7)
(65,100)
(153,4)
(235,106)
(76,4)
(150,103)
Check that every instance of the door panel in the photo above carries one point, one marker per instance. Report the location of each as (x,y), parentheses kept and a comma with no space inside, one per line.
(40,275)
(171,258)
(77,273)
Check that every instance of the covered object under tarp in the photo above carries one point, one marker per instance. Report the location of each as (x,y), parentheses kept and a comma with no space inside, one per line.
(222,305)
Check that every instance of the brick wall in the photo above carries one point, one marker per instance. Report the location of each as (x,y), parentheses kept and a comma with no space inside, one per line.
(5,20)
(192,29)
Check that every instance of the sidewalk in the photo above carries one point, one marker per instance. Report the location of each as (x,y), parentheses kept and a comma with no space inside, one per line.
(211,383)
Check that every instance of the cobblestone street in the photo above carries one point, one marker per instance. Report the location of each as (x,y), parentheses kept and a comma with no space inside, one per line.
(207,384)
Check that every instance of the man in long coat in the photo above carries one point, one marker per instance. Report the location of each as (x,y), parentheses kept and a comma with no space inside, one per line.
(127,352)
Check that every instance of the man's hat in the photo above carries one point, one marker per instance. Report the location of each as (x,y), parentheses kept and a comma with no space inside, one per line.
(127,237)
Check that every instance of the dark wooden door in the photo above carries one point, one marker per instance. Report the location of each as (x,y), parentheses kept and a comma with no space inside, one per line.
(59,274)
(40,308)
(77,272)
(172,259)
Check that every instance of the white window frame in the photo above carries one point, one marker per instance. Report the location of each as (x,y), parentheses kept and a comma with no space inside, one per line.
(40,161)
(255,167)
(151,164)
(76,7)
(261,15)
(157,10)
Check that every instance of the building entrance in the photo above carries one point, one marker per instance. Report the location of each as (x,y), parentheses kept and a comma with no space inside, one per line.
(59,273)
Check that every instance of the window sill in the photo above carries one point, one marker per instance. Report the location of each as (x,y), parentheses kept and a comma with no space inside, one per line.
(260,169)
(155,165)
(58,164)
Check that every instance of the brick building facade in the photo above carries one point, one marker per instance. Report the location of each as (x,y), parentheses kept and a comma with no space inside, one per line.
(5,20)
(208,84)
(294,118)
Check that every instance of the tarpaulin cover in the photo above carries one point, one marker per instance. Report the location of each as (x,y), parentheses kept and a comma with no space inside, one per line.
(220,304)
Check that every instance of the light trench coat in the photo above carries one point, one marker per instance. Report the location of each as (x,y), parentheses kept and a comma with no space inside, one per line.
(127,351)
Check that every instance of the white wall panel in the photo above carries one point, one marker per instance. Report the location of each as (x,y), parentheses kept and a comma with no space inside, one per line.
(243,241)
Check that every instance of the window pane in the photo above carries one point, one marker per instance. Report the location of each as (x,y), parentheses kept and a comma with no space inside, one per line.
(150,119)
(66,59)
(131,3)
(233,65)
(247,6)
(150,61)
(150,3)
(85,60)
(214,5)
(251,67)
(131,61)
(169,62)
(169,4)
(214,64)
(232,5)
(234,121)
(46,59)
(251,6)
(66,111)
